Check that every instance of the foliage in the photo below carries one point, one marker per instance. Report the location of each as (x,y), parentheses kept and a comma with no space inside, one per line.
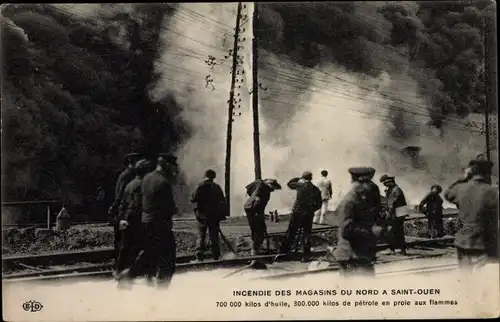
(75,99)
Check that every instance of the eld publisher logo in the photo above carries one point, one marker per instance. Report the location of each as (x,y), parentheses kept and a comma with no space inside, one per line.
(32,306)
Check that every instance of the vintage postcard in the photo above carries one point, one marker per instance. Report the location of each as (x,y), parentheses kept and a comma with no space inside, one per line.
(249,161)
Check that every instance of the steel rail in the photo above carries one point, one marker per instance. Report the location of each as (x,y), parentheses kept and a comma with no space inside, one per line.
(335,267)
(183,264)
(108,254)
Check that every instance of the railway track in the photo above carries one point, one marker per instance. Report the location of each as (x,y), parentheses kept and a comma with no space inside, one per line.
(104,269)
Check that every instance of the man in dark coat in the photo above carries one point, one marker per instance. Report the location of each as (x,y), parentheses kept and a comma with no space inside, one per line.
(259,193)
(158,207)
(477,237)
(123,179)
(357,234)
(210,208)
(395,199)
(307,202)
(130,211)
(432,207)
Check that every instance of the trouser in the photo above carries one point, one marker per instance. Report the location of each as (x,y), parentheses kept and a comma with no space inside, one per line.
(319,217)
(159,252)
(298,221)
(468,258)
(258,228)
(117,241)
(130,245)
(213,231)
(435,224)
(357,267)
(397,235)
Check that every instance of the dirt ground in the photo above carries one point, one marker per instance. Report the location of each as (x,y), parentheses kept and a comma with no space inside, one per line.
(86,237)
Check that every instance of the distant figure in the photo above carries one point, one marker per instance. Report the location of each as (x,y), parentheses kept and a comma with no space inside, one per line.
(307,202)
(395,199)
(158,208)
(63,218)
(130,211)
(477,237)
(432,207)
(357,234)
(259,193)
(210,208)
(325,186)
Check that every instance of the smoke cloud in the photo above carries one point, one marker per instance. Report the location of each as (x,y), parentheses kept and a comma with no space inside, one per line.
(311,119)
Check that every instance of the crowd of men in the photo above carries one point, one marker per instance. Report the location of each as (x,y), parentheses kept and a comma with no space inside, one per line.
(144,206)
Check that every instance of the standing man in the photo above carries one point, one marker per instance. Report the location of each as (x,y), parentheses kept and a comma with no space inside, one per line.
(123,179)
(158,208)
(210,208)
(259,193)
(325,186)
(307,202)
(395,199)
(357,234)
(130,218)
(432,207)
(477,237)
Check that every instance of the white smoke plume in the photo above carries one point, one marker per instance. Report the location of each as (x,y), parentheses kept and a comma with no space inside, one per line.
(324,118)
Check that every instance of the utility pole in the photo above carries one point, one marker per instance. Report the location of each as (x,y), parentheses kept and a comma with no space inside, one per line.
(227,179)
(255,95)
(490,66)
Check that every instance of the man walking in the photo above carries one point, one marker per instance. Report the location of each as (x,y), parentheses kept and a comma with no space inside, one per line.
(357,233)
(158,208)
(259,193)
(325,186)
(123,179)
(210,208)
(477,237)
(395,199)
(130,218)
(307,202)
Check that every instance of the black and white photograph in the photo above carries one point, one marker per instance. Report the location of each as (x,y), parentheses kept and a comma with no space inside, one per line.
(221,161)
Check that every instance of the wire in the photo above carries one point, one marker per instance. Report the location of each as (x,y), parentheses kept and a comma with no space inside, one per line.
(298,80)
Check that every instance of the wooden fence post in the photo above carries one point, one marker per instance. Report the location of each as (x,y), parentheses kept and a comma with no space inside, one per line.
(48,216)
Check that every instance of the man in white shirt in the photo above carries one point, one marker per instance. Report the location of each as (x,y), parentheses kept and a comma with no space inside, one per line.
(325,186)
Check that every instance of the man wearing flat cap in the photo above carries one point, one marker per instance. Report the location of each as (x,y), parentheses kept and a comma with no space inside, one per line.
(432,207)
(307,202)
(357,233)
(123,179)
(477,237)
(395,198)
(130,212)
(259,193)
(210,208)
(158,208)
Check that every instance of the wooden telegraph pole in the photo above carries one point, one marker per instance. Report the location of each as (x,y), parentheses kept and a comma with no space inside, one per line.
(255,95)
(490,66)
(227,179)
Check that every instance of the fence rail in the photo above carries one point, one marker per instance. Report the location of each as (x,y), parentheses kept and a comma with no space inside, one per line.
(34,202)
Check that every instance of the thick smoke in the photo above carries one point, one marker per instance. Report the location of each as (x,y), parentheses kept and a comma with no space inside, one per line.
(312,119)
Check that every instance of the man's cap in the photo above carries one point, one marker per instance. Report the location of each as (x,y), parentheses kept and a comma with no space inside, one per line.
(133,155)
(142,164)
(168,158)
(386,178)
(210,174)
(307,175)
(437,187)
(481,164)
(359,172)
(273,183)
